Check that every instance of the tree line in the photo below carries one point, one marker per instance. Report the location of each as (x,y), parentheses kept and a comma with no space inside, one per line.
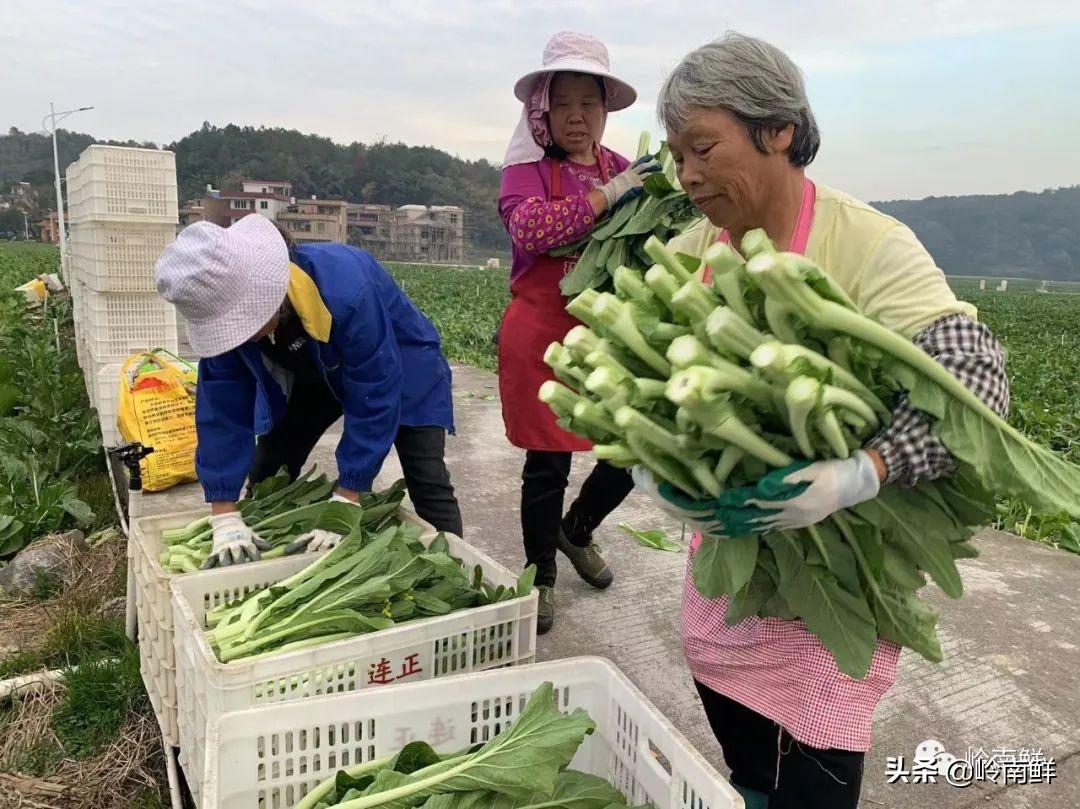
(1025,234)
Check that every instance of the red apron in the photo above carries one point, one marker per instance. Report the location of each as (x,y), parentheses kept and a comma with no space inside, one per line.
(535,318)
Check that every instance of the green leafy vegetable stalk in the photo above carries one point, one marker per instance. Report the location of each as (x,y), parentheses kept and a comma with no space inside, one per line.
(523,767)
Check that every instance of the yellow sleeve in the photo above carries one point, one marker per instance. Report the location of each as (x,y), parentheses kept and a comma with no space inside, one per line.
(903,288)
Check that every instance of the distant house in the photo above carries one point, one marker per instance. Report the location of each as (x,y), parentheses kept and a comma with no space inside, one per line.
(264,197)
(282,188)
(371,227)
(316,220)
(49,229)
(20,195)
(432,234)
(238,204)
(417,233)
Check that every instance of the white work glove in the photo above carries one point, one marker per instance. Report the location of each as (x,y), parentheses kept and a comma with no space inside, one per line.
(834,485)
(630,183)
(320,539)
(234,543)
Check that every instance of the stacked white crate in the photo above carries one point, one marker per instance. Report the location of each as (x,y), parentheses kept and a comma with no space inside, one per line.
(122,206)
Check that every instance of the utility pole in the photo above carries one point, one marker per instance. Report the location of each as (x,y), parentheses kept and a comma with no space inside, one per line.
(55,116)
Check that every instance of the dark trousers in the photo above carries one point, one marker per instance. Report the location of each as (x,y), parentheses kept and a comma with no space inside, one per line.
(312,410)
(543,484)
(807,778)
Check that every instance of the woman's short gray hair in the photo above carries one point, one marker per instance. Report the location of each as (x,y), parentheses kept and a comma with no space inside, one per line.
(755,81)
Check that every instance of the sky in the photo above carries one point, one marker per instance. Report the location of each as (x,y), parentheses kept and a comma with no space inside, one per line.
(914,98)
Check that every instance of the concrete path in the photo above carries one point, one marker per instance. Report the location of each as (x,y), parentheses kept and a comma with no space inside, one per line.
(1011,678)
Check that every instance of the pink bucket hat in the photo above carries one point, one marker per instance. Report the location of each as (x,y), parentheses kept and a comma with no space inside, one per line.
(578,53)
(566,51)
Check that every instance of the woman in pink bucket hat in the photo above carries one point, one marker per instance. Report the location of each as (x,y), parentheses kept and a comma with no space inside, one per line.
(557,182)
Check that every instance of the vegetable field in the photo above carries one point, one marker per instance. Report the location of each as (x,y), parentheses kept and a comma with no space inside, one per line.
(45,484)
(465,303)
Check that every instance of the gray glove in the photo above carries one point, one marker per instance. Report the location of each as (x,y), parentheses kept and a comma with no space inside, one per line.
(234,542)
(631,183)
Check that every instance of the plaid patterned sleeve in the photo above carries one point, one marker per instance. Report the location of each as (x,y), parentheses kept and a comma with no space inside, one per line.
(969,351)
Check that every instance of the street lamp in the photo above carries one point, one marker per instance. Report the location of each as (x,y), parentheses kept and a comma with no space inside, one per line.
(55,116)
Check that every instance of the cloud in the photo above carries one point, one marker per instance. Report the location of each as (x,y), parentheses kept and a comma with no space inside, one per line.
(440,72)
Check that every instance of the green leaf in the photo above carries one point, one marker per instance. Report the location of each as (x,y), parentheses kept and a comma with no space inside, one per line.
(9,397)
(964,550)
(841,621)
(657,185)
(583,275)
(415,756)
(430,605)
(723,566)
(573,790)
(916,527)
(1004,461)
(644,219)
(82,513)
(750,600)
(655,539)
(788,553)
(692,263)
(519,763)
(907,620)
(524,583)
(1070,538)
(900,570)
(345,783)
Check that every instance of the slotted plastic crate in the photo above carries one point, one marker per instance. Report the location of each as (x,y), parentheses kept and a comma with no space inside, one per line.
(118,256)
(122,184)
(105,398)
(119,324)
(470,640)
(270,757)
(154,608)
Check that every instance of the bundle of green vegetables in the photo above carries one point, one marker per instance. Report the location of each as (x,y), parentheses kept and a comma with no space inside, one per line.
(367,582)
(663,211)
(711,385)
(524,767)
(280,512)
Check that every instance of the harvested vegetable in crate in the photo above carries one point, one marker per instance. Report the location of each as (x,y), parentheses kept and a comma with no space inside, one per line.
(524,766)
(711,385)
(369,581)
(663,210)
(279,512)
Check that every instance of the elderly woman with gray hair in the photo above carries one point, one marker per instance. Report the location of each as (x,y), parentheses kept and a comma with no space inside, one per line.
(793,728)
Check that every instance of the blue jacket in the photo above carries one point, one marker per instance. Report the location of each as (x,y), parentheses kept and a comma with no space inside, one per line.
(379,354)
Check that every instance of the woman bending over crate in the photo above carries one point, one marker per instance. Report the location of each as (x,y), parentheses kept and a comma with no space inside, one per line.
(291,338)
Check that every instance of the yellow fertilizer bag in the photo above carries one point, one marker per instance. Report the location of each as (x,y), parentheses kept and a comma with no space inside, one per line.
(35,291)
(157,409)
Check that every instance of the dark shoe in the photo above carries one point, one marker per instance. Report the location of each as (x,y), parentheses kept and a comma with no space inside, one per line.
(588,562)
(545,613)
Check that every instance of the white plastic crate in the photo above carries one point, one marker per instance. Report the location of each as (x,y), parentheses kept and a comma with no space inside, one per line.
(119,324)
(118,256)
(469,640)
(105,397)
(154,608)
(270,757)
(122,184)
